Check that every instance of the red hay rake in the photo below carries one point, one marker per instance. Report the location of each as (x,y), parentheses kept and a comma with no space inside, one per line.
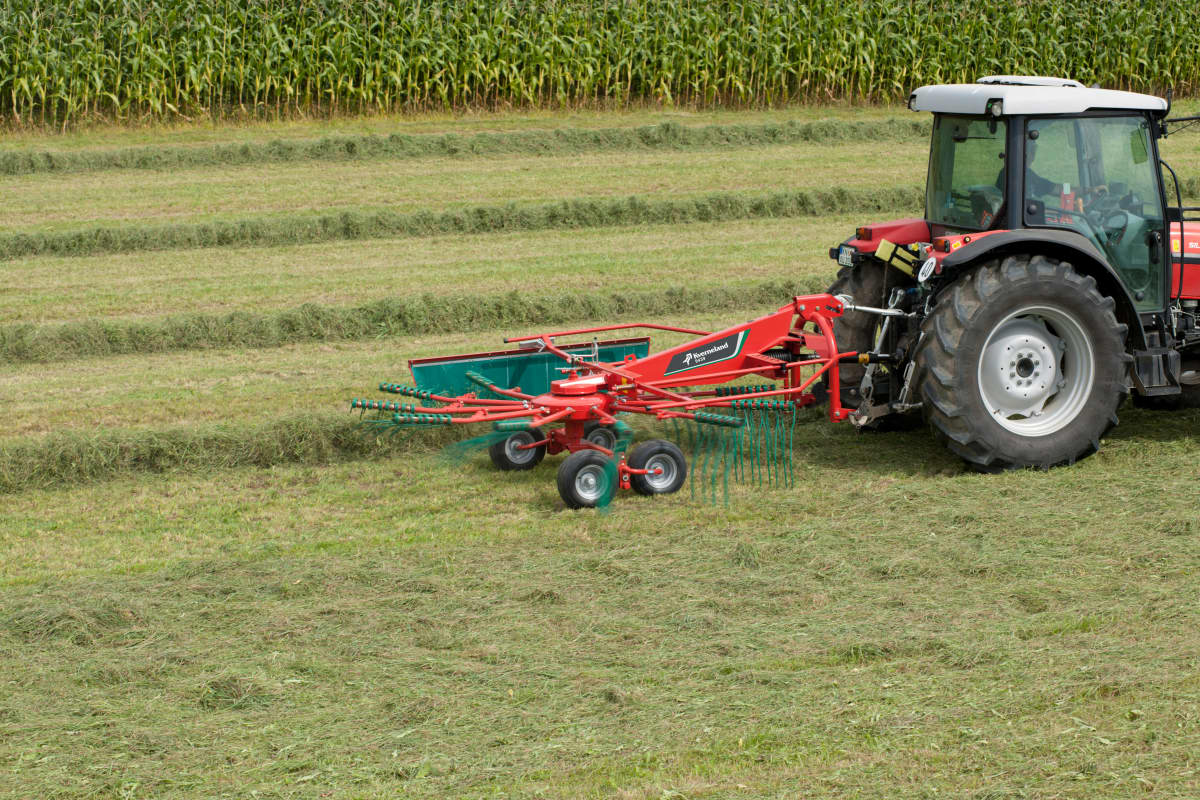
(793,347)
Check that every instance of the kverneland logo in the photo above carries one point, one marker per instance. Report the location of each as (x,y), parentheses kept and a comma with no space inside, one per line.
(707,353)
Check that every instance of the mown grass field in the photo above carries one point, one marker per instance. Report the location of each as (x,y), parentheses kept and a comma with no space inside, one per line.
(205,591)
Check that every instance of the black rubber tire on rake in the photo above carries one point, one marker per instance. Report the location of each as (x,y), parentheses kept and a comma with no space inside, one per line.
(952,346)
(582,478)
(507,458)
(661,453)
(601,434)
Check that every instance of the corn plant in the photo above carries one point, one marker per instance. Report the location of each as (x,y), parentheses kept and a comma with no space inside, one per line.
(62,60)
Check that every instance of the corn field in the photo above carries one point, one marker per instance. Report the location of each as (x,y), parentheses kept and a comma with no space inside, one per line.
(64,60)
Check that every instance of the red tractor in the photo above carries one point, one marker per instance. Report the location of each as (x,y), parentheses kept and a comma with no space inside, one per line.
(1050,276)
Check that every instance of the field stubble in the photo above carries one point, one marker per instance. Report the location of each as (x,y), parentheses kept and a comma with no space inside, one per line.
(449,631)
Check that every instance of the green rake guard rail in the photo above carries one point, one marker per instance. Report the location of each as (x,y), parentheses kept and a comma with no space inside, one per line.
(529,368)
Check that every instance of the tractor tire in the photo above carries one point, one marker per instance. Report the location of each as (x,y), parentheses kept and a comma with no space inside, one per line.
(584,478)
(506,455)
(661,454)
(1022,363)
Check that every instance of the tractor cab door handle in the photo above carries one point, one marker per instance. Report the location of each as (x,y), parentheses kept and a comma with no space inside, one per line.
(1154,239)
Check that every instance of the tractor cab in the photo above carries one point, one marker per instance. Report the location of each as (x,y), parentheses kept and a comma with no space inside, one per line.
(1051,154)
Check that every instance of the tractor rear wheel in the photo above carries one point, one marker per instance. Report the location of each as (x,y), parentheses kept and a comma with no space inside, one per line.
(1022,363)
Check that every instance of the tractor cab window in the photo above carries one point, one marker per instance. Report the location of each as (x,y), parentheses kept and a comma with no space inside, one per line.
(965,189)
(1094,175)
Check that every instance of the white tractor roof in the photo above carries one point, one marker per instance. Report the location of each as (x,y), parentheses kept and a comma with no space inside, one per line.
(1027,94)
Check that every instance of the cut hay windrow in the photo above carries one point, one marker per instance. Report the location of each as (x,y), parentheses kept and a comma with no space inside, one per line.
(416,314)
(398,146)
(356,224)
(69,458)
(66,60)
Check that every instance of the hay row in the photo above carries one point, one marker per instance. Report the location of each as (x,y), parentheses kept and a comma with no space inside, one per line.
(665,136)
(354,224)
(73,457)
(418,314)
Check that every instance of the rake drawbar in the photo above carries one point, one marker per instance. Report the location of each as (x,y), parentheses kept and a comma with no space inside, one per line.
(736,428)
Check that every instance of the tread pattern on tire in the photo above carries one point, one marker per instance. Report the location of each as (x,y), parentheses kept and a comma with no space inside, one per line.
(939,376)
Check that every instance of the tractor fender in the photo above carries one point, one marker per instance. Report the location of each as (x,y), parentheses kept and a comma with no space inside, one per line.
(1063,245)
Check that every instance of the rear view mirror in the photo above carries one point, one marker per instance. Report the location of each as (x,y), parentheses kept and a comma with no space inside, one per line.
(1137,146)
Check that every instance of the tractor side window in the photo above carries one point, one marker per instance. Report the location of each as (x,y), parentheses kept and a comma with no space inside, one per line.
(965,189)
(1094,175)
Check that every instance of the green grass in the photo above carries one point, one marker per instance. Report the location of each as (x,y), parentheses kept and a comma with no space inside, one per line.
(155,284)
(62,202)
(376,630)
(664,136)
(97,135)
(344,224)
(51,202)
(211,586)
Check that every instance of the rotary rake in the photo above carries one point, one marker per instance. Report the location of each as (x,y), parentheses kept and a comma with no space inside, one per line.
(697,389)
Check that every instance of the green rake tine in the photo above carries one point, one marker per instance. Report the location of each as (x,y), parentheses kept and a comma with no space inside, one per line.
(777,450)
(706,431)
(752,426)
(764,468)
(737,452)
(769,444)
(725,463)
(695,459)
(715,434)
(779,428)
(791,447)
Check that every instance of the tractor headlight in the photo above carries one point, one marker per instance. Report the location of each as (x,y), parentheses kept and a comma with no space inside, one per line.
(995,107)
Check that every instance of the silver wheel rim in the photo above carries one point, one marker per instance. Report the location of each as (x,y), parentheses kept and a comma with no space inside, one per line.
(603,437)
(1036,370)
(513,451)
(590,483)
(662,480)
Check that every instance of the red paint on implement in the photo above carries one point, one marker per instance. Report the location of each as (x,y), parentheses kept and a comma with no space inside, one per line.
(652,385)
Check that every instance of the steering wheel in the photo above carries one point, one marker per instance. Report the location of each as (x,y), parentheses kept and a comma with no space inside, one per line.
(1114,226)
